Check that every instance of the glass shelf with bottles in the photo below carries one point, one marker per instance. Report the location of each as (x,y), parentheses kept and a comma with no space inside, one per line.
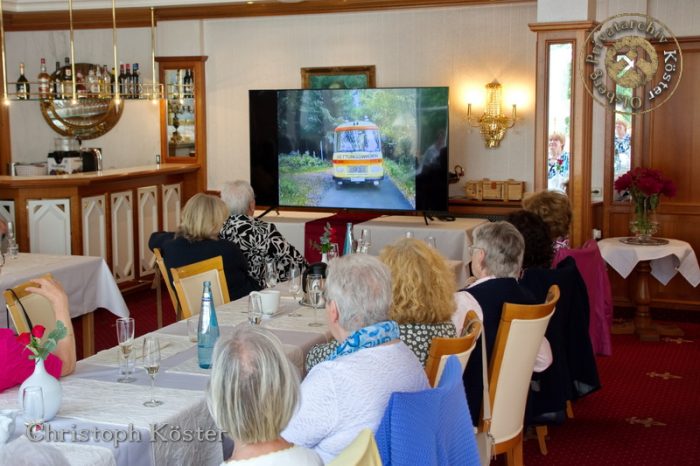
(90,83)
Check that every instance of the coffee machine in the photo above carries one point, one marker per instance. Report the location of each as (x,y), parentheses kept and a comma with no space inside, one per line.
(66,158)
(92,159)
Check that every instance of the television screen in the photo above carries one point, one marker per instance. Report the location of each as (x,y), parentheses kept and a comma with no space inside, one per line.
(371,149)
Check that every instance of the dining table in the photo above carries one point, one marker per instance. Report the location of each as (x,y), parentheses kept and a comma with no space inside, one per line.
(181,430)
(87,280)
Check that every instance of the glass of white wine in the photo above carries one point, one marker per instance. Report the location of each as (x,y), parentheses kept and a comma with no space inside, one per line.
(125,337)
(295,288)
(315,284)
(151,362)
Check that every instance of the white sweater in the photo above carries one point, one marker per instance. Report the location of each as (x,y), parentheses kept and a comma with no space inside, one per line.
(339,398)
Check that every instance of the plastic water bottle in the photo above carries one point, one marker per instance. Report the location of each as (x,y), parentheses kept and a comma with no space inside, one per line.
(347,248)
(208,328)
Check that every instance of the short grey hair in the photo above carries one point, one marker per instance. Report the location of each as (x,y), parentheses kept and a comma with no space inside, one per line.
(253,389)
(503,246)
(360,285)
(237,195)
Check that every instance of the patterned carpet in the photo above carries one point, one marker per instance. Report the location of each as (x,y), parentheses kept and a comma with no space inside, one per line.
(647,413)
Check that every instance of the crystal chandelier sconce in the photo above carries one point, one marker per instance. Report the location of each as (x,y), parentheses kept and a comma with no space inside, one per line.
(493,123)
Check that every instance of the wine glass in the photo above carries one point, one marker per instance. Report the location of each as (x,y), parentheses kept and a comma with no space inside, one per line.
(333,252)
(125,337)
(295,287)
(430,240)
(151,362)
(315,284)
(271,276)
(33,406)
(409,234)
(365,240)
(254,309)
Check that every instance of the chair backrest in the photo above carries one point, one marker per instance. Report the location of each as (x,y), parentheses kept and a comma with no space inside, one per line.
(39,309)
(462,347)
(361,452)
(188,281)
(164,275)
(518,339)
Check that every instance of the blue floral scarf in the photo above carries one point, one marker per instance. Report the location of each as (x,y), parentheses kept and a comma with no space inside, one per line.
(367,337)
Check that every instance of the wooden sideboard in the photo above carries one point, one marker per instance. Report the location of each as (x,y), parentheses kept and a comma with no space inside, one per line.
(461,206)
(111,213)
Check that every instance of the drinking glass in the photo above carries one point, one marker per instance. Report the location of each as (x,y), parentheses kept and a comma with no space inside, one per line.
(315,284)
(333,252)
(409,234)
(431,242)
(254,309)
(271,276)
(295,287)
(365,241)
(33,406)
(125,337)
(193,328)
(151,362)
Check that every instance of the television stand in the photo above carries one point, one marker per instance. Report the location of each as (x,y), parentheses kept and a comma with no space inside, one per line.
(268,210)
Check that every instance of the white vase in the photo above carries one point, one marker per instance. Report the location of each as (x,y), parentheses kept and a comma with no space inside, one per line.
(324,257)
(50,387)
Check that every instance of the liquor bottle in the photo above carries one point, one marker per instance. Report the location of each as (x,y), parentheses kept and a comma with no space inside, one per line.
(136,81)
(23,90)
(57,77)
(207,329)
(91,84)
(129,92)
(100,87)
(44,81)
(106,82)
(348,246)
(113,78)
(122,80)
(80,88)
(67,80)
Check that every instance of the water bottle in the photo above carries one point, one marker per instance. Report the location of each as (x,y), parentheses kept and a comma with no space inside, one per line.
(207,329)
(347,248)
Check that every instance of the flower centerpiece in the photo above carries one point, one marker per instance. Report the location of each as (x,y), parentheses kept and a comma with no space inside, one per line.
(39,351)
(645,186)
(325,242)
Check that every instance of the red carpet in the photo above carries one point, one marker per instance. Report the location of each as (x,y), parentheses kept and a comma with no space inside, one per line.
(635,419)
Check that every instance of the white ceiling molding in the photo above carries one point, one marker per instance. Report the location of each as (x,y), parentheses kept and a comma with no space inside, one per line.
(23,6)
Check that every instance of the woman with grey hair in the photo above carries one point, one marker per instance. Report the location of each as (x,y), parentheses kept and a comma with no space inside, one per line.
(496,258)
(252,394)
(258,240)
(350,391)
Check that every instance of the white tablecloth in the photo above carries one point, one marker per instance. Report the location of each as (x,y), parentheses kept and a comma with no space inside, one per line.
(666,260)
(93,399)
(87,280)
(452,238)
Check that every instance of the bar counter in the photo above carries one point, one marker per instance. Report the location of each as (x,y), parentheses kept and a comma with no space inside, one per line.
(110,213)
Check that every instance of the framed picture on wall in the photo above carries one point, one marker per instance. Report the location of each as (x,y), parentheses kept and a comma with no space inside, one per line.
(338,77)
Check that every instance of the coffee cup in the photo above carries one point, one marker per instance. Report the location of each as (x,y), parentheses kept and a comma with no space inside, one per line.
(270,300)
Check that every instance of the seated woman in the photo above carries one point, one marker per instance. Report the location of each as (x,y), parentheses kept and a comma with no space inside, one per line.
(554,208)
(14,357)
(197,239)
(422,294)
(350,391)
(496,257)
(252,394)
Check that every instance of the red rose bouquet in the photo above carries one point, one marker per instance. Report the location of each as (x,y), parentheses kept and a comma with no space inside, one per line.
(645,186)
(32,341)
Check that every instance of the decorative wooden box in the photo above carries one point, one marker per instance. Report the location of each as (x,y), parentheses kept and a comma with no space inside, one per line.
(494,190)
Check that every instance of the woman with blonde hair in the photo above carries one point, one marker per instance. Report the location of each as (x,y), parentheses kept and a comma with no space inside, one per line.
(554,208)
(422,287)
(197,239)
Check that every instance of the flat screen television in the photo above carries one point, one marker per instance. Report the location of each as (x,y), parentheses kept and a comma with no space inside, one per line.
(366,149)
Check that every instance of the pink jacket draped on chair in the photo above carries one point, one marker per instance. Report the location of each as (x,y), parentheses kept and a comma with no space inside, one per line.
(593,270)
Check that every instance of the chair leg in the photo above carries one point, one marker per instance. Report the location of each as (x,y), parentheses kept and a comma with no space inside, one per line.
(514,457)
(569,409)
(541,438)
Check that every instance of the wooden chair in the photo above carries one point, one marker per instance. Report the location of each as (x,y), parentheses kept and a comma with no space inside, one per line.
(188,282)
(161,274)
(39,309)
(462,347)
(361,452)
(518,339)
